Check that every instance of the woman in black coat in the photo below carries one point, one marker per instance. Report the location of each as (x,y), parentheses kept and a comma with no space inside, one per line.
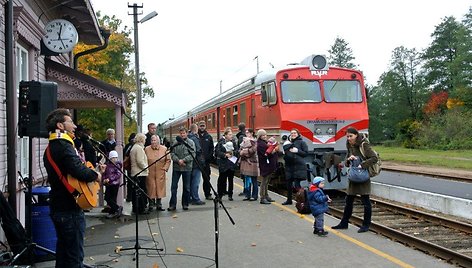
(295,166)
(354,141)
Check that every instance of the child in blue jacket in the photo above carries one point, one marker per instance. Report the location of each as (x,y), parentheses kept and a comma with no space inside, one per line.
(318,204)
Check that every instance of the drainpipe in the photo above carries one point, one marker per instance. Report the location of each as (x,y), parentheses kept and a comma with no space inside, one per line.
(106,35)
(10,106)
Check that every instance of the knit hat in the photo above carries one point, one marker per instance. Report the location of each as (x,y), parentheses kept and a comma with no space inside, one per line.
(317,180)
(260,133)
(113,154)
(229,146)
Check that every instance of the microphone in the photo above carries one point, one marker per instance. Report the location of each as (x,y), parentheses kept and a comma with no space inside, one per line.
(181,141)
(87,137)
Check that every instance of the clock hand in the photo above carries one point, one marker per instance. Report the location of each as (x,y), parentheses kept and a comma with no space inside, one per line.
(63,45)
(59,33)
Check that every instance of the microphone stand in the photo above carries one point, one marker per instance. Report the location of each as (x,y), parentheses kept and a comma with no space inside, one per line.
(137,191)
(216,200)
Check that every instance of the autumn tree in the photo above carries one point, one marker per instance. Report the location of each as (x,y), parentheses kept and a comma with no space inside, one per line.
(400,94)
(341,54)
(112,65)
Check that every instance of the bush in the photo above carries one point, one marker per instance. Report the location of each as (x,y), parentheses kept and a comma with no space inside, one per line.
(449,131)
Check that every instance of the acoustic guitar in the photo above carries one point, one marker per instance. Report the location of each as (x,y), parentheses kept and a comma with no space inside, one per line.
(88,191)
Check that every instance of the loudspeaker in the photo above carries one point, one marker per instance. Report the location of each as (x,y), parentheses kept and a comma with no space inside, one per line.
(36,100)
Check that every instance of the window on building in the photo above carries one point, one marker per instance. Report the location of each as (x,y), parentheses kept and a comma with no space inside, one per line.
(22,64)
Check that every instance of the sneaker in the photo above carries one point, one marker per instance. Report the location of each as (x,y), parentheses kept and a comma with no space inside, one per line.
(287,203)
(185,207)
(322,233)
(270,199)
(209,197)
(171,209)
(252,199)
(265,202)
(363,229)
(241,194)
(230,198)
(246,199)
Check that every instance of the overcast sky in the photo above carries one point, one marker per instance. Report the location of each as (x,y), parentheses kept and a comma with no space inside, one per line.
(191,45)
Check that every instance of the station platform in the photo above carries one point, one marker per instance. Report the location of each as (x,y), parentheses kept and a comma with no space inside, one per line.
(263,236)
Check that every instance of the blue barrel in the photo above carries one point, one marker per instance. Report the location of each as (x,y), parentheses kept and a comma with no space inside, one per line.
(42,228)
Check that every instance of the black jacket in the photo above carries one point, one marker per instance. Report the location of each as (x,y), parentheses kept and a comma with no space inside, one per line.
(66,158)
(295,165)
(206,142)
(224,163)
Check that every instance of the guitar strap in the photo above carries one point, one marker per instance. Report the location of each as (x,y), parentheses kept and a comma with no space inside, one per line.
(69,188)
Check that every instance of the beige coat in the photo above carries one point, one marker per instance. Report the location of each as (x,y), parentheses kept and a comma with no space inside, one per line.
(138,160)
(156,180)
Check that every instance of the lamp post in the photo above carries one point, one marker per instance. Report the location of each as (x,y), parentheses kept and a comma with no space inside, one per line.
(139,101)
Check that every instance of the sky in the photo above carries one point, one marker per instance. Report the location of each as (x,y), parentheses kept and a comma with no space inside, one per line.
(193,47)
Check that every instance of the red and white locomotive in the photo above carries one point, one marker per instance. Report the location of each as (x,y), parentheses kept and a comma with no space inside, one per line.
(320,101)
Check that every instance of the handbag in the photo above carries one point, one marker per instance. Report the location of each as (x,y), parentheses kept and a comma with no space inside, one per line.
(357,174)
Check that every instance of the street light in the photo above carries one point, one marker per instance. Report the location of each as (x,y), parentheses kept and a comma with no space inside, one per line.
(139,102)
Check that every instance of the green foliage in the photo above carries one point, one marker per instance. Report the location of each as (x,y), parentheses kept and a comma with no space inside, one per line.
(447,131)
(408,133)
(445,60)
(341,54)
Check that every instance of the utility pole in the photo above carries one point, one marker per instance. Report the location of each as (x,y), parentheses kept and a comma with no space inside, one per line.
(257,62)
(139,101)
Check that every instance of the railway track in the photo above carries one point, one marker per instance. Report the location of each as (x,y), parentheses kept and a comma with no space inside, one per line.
(441,237)
(450,174)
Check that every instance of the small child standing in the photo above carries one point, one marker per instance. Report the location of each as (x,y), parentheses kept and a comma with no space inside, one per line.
(111,180)
(318,205)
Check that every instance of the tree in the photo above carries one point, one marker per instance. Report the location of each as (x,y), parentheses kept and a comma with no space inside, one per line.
(341,54)
(400,93)
(444,58)
(112,65)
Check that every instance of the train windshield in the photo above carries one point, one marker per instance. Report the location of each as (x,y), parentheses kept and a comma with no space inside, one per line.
(342,91)
(300,91)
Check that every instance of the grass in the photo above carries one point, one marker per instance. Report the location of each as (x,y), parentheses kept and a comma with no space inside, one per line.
(449,159)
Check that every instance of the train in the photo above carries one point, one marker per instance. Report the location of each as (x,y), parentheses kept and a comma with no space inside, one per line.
(319,100)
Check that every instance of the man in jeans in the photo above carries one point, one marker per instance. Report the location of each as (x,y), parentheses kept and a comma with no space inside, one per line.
(196,172)
(61,159)
(206,142)
(182,166)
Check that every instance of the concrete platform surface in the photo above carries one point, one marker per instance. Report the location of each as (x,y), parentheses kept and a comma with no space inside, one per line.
(263,236)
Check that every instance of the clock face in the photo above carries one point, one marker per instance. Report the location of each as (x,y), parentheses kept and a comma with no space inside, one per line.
(61,36)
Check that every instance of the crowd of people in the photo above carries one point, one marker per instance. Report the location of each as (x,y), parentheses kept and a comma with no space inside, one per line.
(254,153)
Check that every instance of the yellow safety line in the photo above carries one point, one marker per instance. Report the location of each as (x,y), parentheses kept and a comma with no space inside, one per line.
(344,236)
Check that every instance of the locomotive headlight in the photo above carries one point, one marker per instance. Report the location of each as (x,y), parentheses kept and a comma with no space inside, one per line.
(330,131)
(318,131)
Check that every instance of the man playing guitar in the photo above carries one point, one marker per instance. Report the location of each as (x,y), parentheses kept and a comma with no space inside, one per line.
(67,216)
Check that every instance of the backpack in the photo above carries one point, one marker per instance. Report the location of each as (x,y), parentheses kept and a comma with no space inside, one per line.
(375,169)
(302,205)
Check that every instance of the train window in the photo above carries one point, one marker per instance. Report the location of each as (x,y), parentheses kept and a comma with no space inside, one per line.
(272,95)
(228,116)
(213,122)
(342,91)
(300,91)
(235,115)
(242,112)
